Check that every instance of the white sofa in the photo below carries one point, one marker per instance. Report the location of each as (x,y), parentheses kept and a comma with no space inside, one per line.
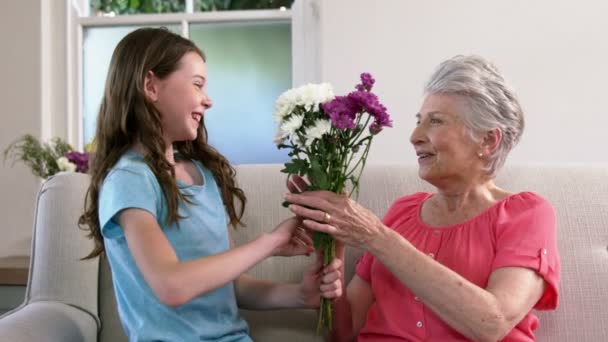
(72,300)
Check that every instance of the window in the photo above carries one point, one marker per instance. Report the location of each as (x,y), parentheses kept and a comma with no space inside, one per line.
(249,59)
(126,7)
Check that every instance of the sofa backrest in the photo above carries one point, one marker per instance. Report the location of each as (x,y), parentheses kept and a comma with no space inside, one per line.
(56,271)
(578,193)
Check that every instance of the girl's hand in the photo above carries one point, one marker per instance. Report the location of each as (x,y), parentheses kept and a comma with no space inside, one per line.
(291,239)
(320,282)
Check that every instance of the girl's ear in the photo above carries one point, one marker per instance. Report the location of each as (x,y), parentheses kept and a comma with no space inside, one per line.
(151,87)
(491,141)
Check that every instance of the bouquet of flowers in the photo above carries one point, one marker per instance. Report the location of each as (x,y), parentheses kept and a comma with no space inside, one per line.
(329,139)
(47,159)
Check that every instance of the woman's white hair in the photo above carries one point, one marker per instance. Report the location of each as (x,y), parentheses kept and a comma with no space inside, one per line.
(492,102)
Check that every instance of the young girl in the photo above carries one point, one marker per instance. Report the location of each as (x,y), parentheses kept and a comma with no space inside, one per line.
(160,198)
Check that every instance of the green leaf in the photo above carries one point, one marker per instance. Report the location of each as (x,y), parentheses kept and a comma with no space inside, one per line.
(296,167)
(318,174)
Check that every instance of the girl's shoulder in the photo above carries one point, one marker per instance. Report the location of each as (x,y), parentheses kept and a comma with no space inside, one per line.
(131,168)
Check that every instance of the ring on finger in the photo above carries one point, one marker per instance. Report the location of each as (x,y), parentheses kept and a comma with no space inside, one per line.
(327,217)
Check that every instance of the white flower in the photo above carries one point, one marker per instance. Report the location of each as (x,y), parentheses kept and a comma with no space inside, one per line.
(317,131)
(66,165)
(279,136)
(309,96)
(292,124)
(284,105)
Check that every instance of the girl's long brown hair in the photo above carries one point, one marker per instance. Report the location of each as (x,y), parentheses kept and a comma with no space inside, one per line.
(126,117)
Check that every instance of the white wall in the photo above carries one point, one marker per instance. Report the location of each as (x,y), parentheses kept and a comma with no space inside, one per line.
(553,52)
(20,98)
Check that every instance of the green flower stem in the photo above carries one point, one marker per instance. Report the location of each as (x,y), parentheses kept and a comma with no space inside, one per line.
(325,320)
(358,134)
(363,156)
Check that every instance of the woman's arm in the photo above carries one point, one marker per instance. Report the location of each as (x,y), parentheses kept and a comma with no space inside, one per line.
(480,314)
(350,311)
(175,282)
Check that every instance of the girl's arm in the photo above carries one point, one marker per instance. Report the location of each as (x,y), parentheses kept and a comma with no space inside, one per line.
(175,282)
(258,294)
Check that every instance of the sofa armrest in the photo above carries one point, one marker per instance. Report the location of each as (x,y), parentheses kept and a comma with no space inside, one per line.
(49,322)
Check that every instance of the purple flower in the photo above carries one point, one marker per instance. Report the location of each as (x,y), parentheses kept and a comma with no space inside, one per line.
(367,82)
(341,111)
(368,102)
(375,128)
(80,159)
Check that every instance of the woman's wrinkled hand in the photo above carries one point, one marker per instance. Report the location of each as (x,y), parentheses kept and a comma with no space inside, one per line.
(337,215)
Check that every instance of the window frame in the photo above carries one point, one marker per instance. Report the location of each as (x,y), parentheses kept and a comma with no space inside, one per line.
(305,52)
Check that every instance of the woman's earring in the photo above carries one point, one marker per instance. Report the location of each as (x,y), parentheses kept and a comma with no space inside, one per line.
(480,155)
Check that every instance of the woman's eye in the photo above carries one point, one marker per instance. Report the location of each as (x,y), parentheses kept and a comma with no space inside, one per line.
(435,121)
(198,85)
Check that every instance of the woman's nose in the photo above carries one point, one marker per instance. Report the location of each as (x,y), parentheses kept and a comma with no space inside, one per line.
(417,136)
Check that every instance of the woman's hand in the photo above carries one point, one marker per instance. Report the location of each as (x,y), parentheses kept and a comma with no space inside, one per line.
(291,239)
(321,282)
(337,215)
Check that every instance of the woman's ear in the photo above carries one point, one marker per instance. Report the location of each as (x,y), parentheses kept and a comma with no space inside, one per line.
(151,87)
(491,141)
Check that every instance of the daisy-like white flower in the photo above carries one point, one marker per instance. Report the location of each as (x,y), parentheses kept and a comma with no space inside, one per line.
(284,105)
(279,136)
(320,128)
(65,165)
(309,96)
(291,125)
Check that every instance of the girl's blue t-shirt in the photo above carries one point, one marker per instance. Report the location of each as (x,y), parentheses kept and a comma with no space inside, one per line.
(201,232)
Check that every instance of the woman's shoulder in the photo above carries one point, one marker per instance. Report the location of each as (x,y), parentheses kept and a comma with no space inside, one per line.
(406,204)
(411,200)
(525,201)
(524,209)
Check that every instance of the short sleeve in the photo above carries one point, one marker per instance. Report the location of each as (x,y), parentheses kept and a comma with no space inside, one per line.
(364,267)
(526,237)
(123,189)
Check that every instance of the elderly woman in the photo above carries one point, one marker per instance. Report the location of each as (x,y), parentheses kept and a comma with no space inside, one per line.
(467,262)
